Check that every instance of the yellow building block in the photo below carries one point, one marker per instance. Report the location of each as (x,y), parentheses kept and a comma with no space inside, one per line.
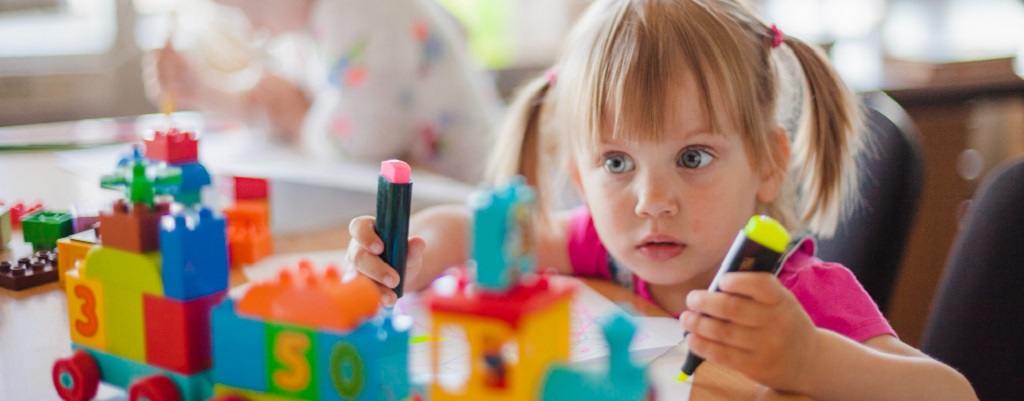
(118,268)
(126,329)
(86,316)
(68,253)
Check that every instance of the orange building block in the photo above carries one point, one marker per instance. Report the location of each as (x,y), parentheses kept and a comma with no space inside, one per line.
(310,299)
(86,317)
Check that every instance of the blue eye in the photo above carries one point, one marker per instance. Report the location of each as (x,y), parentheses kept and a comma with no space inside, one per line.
(694,158)
(618,163)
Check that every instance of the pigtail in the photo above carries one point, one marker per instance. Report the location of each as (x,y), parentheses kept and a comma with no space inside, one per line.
(518,150)
(825,145)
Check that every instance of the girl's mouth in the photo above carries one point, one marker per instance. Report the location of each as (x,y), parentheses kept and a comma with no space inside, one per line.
(660,248)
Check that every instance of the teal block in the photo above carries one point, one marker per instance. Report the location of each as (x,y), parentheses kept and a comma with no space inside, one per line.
(240,351)
(622,380)
(43,229)
(123,372)
(368,364)
(503,241)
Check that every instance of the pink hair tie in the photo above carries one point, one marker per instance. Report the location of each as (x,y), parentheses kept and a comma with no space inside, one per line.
(777,36)
(552,75)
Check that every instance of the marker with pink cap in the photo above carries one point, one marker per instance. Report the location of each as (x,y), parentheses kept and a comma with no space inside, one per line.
(394,198)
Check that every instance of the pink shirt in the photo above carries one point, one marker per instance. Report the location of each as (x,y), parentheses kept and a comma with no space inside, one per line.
(829,292)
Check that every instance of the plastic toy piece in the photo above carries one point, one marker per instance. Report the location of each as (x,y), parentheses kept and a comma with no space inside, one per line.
(76,378)
(83,223)
(239,349)
(86,314)
(249,188)
(126,373)
(340,305)
(194,254)
(249,237)
(194,178)
(142,181)
(29,272)
(622,380)
(394,200)
(178,332)
(503,242)
(154,388)
(72,250)
(43,228)
(5,226)
(174,146)
(19,209)
(532,317)
(135,228)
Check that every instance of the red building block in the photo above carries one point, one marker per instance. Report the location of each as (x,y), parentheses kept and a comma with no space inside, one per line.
(19,209)
(178,332)
(174,147)
(248,188)
(133,229)
(29,272)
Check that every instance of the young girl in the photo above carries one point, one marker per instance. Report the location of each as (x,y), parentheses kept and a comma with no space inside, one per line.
(380,79)
(665,112)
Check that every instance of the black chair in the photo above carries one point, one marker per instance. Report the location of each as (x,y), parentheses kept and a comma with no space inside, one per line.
(977,323)
(870,242)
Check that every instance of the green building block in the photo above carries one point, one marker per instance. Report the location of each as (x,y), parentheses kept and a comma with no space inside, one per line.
(43,229)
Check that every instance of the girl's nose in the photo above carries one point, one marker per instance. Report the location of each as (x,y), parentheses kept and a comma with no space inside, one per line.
(655,199)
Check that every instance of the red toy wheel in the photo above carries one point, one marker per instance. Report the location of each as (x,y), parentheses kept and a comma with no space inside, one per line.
(154,388)
(76,377)
(228,397)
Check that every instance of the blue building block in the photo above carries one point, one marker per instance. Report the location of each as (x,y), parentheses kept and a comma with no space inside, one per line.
(369,364)
(42,229)
(193,248)
(123,372)
(503,235)
(240,350)
(623,380)
(194,178)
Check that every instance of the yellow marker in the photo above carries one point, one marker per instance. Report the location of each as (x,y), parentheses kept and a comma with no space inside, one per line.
(167,105)
(422,338)
(682,377)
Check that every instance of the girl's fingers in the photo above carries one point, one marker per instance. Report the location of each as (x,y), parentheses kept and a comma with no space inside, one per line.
(761,287)
(720,353)
(720,331)
(363,233)
(738,309)
(371,265)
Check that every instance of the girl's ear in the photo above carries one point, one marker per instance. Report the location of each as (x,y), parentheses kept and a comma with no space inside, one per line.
(772,180)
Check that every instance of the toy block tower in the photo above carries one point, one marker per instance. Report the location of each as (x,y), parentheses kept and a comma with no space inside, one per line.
(310,335)
(139,303)
(516,322)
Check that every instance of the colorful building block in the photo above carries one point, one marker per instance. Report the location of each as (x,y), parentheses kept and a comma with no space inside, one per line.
(128,374)
(43,228)
(503,242)
(193,247)
(533,317)
(240,351)
(292,372)
(178,332)
(173,146)
(84,223)
(367,363)
(248,244)
(134,228)
(86,315)
(19,209)
(5,226)
(142,181)
(71,251)
(29,272)
(250,188)
(194,178)
(126,276)
(622,380)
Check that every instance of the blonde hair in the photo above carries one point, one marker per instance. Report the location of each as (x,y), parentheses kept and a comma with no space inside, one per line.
(615,75)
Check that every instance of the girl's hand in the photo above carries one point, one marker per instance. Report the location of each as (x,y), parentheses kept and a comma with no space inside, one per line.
(754,326)
(167,73)
(364,255)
